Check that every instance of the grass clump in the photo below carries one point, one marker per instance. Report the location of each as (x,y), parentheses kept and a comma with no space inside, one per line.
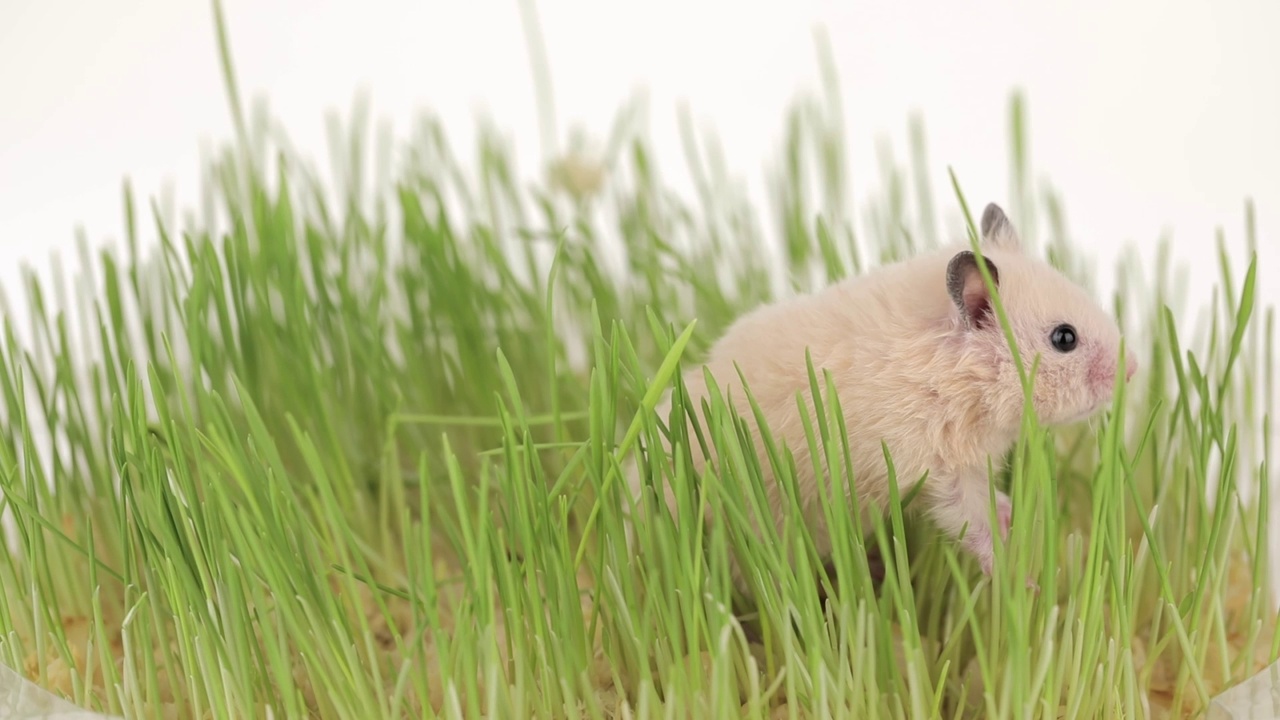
(353,448)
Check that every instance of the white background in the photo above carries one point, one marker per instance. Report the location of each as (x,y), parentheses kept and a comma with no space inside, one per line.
(1149,117)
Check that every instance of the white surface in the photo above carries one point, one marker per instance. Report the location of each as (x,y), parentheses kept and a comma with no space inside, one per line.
(1147,115)
(21,699)
(1257,698)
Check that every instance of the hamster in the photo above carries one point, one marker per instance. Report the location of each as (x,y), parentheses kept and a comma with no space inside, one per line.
(919,361)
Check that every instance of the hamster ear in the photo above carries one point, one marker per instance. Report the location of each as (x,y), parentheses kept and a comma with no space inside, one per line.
(968,290)
(997,231)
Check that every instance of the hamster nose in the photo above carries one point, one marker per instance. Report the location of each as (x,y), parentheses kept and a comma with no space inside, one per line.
(1131,366)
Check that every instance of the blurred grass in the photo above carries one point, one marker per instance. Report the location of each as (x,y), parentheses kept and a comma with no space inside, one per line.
(351,448)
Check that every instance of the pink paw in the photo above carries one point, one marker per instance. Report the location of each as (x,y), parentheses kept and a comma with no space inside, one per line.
(987,562)
(1004,514)
(979,544)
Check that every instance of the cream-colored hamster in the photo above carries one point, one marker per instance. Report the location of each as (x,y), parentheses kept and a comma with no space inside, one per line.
(920,362)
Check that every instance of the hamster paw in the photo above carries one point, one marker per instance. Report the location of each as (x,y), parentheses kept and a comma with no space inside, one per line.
(986,559)
(1004,514)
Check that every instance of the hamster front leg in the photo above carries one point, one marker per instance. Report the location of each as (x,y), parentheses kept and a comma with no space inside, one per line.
(960,504)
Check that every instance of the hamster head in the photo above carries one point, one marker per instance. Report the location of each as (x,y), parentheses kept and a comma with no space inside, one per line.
(1077,341)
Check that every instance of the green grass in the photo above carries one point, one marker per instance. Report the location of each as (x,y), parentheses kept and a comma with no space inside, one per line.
(354,449)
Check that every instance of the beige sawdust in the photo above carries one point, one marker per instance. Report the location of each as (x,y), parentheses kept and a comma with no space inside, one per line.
(57,673)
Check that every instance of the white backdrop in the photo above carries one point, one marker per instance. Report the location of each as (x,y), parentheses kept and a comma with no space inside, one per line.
(1149,117)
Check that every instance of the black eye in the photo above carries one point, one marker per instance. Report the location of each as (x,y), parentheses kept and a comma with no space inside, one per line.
(1063,338)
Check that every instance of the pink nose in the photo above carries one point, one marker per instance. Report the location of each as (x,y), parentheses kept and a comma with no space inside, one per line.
(1131,366)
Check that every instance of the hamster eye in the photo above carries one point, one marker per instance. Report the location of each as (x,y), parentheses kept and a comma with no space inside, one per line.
(1063,338)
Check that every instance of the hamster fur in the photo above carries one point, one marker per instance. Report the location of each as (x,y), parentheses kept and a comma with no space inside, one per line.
(920,361)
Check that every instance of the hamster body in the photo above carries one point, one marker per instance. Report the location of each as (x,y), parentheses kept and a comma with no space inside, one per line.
(920,362)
